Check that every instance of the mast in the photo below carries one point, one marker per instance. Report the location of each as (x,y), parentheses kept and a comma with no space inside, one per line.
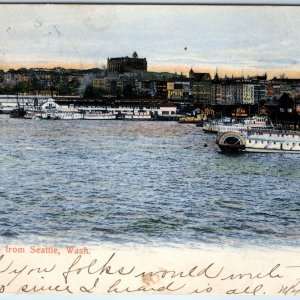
(18,104)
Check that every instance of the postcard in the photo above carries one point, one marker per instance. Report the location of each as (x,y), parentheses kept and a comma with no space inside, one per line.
(149,149)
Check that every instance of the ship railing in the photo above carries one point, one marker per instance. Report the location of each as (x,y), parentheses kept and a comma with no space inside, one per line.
(274,131)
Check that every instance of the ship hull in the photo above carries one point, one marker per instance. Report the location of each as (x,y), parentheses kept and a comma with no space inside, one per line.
(137,118)
(270,150)
(99,117)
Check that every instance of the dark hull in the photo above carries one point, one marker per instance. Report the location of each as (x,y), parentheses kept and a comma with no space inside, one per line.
(17,113)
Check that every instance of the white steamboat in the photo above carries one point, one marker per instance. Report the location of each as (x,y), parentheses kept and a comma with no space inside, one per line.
(260,140)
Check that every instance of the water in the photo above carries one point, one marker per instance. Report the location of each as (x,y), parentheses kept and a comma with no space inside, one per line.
(151,183)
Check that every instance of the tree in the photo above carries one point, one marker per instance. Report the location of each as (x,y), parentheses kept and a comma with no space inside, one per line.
(93,92)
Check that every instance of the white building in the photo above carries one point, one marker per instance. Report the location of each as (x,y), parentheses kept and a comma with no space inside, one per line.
(248,94)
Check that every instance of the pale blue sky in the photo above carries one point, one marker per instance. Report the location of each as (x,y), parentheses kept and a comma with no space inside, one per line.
(234,39)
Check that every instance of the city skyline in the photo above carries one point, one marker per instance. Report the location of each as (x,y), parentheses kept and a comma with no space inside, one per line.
(235,40)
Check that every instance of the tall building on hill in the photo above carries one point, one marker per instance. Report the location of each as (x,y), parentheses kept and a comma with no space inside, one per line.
(199,76)
(201,87)
(126,64)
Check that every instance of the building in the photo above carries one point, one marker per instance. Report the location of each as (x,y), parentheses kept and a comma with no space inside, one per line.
(179,90)
(216,88)
(269,90)
(201,87)
(111,85)
(257,78)
(199,76)
(237,89)
(144,88)
(248,93)
(287,114)
(126,64)
(259,92)
(227,93)
(161,90)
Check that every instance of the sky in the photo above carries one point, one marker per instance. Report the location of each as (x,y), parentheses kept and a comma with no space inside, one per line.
(234,40)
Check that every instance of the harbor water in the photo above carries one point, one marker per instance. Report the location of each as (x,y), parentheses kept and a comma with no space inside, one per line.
(147,183)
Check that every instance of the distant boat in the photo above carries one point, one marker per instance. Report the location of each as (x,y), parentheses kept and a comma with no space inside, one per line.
(198,119)
(229,124)
(138,116)
(62,115)
(255,122)
(212,126)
